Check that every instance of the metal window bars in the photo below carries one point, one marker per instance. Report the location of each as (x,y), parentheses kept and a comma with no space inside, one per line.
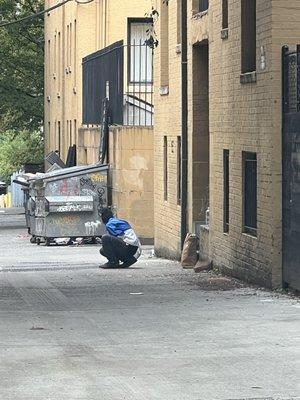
(138,98)
(128,85)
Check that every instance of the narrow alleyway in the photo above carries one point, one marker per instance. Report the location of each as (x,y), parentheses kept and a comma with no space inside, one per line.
(71,331)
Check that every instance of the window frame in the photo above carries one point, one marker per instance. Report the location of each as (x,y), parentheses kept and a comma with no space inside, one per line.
(248,156)
(179,183)
(225,14)
(129,22)
(226,187)
(165,167)
(248,37)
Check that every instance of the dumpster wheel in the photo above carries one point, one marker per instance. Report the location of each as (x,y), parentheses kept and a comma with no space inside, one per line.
(33,239)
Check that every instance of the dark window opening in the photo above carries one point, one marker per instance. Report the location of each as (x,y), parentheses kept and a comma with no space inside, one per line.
(165,168)
(179,21)
(203,5)
(179,170)
(164,44)
(250,193)
(225,14)
(248,35)
(226,190)
(59,139)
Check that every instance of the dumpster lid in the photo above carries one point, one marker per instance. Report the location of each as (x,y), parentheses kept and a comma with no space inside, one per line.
(72,171)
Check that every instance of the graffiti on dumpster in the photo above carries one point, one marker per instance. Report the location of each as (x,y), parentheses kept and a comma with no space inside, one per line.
(98,178)
(39,226)
(66,220)
(64,187)
(89,192)
(91,227)
(89,185)
(39,207)
(74,207)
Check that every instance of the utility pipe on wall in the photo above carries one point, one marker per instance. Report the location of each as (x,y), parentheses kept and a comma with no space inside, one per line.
(184,121)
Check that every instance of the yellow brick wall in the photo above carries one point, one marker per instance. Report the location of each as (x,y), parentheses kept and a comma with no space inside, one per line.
(167,123)
(131,160)
(98,24)
(131,172)
(242,117)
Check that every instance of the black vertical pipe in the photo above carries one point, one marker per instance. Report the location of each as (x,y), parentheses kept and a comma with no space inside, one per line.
(184,121)
(284,159)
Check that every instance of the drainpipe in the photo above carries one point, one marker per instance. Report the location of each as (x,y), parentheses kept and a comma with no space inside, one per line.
(184,121)
(62,71)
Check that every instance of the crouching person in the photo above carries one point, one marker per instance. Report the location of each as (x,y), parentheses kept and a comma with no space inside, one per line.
(121,242)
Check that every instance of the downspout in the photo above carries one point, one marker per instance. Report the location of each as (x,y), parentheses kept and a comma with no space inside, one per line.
(184,121)
(63,132)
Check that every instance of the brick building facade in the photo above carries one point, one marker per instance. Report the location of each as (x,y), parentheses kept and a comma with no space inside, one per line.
(234,134)
(72,32)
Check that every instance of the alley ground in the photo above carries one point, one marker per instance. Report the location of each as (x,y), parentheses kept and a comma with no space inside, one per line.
(70,331)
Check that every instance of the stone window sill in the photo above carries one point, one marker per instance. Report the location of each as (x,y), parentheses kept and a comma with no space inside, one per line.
(164,90)
(248,77)
(199,14)
(205,227)
(224,34)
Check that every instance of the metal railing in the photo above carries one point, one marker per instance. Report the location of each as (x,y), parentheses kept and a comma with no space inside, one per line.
(138,98)
(128,85)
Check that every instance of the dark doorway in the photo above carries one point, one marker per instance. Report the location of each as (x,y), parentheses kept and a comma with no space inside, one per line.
(200,131)
(291,168)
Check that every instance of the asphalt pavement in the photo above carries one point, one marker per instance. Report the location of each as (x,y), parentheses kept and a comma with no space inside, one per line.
(71,331)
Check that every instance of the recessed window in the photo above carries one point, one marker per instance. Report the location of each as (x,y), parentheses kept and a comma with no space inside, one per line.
(250,193)
(140,54)
(75,52)
(59,66)
(225,14)
(248,36)
(226,191)
(71,134)
(179,21)
(179,170)
(75,131)
(164,44)
(165,168)
(59,137)
(203,5)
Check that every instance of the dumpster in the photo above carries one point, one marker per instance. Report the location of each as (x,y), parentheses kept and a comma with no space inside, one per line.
(3,188)
(29,206)
(68,203)
(25,180)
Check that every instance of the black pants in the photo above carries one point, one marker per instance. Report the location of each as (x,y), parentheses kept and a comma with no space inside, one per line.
(115,249)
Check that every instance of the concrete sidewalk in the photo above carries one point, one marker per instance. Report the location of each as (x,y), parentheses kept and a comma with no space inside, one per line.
(150,332)
(12,211)
(12,218)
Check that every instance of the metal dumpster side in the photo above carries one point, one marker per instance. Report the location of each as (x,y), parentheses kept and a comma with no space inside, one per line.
(69,202)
